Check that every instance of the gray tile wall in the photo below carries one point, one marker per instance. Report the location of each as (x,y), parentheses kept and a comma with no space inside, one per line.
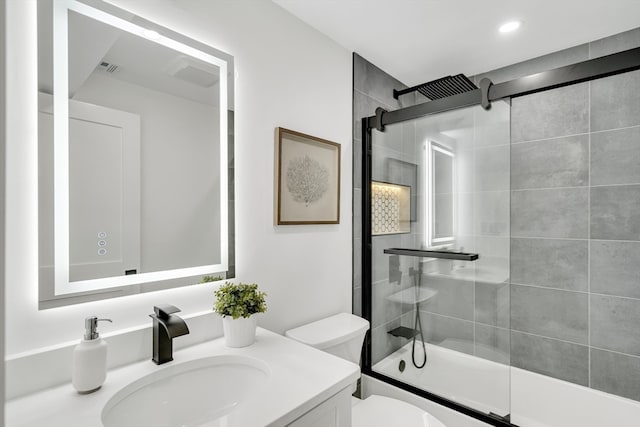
(373,88)
(575,225)
(573,308)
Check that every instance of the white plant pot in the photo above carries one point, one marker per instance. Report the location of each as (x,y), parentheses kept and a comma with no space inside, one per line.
(240,332)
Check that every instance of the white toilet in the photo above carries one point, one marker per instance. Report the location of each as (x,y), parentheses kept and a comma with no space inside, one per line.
(342,335)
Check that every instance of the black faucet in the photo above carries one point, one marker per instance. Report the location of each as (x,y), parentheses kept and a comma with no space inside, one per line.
(165,328)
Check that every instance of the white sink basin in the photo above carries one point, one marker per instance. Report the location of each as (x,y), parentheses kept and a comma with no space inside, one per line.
(201,392)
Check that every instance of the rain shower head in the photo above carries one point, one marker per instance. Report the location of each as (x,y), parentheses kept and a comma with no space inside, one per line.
(441,88)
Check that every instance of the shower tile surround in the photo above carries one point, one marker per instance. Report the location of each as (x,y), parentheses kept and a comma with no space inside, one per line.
(575,203)
(575,229)
(460,305)
(373,88)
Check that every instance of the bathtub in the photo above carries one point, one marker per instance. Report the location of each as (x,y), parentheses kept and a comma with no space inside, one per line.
(466,379)
(533,400)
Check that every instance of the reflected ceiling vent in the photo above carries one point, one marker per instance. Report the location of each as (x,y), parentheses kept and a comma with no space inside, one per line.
(108,67)
(193,71)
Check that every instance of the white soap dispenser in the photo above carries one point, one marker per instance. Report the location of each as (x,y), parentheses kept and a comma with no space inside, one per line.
(90,359)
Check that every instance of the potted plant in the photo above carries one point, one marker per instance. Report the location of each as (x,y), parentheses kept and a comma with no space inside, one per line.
(238,304)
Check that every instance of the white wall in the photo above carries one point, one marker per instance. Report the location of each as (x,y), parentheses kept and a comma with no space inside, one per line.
(287,75)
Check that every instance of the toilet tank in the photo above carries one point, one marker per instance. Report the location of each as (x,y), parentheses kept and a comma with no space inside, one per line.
(341,335)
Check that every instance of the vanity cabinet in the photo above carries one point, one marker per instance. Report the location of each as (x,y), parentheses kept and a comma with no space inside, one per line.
(305,387)
(333,412)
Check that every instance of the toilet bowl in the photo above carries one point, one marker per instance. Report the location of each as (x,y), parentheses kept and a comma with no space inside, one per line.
(382,411)
(342,335)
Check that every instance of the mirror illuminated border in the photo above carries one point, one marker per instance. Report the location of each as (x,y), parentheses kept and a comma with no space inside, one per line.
(432,239)
(109,15)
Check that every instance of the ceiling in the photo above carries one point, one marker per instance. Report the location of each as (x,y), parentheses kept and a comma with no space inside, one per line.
(420,40)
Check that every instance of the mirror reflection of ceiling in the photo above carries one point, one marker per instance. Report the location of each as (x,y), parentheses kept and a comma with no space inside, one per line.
(163,69)
(95,47)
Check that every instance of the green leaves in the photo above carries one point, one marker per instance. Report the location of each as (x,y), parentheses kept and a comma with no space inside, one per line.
(239,300)
(209,279)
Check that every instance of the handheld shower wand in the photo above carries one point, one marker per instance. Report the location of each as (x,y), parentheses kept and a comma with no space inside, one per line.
(417,326)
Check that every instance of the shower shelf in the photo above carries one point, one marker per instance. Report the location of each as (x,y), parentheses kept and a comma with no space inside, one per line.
(404,332)
(410,296)
(460,256)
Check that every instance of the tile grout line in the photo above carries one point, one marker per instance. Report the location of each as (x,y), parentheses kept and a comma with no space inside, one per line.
(576,187)
(500,328)
(475,151)
(551,288)
(380,101)
(510,334)
(466,193)
(551,138)
(486,147)
(577,239)
(575,343)
(573,135)
(447,317)
(589,240)
(614,185)
(514,190)
(612,129)
(551,338)
(510,317)
(635,356)
(587,292)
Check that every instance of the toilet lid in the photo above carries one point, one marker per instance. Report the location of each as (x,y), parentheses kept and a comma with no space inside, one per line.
(381,411)
(330,331)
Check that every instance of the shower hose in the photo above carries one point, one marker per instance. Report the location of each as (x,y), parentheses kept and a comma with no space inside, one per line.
(417,326)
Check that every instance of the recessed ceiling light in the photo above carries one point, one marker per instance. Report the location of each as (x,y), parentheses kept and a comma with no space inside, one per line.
(150,34)
(509,26)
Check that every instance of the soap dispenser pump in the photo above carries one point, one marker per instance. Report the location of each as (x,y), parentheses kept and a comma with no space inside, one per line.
(90,359)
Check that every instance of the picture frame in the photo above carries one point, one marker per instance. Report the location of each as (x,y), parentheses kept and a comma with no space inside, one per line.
(307,177)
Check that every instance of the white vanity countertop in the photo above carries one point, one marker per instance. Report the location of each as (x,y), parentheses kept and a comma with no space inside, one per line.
(301,378)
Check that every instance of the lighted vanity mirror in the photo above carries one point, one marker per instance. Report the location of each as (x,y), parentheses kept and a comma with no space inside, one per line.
(135,155)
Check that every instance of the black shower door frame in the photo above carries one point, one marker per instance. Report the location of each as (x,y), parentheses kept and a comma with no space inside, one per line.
(610,65)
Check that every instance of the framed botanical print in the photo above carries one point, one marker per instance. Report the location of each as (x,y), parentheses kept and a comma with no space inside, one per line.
(307,179)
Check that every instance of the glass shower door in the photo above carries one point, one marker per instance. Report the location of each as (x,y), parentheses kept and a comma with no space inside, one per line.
(441,324)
